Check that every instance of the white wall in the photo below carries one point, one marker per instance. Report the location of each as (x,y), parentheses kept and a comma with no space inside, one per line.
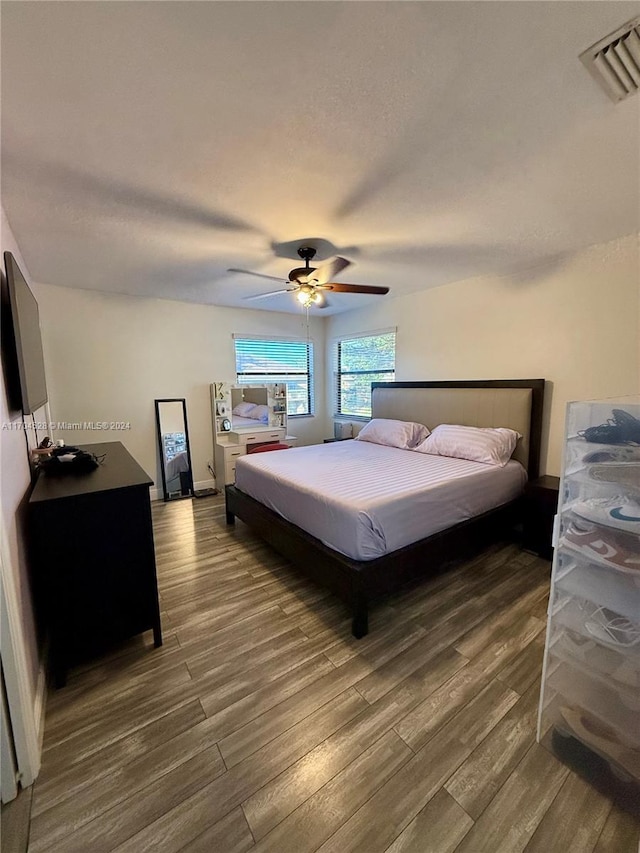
(574,322)
(109,356)
(15,482)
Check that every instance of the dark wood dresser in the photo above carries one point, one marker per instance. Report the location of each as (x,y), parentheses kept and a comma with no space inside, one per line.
(93,557)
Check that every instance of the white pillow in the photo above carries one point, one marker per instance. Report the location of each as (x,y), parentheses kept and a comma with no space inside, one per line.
(478,444)
(260,413)
(243,409)
(403,434)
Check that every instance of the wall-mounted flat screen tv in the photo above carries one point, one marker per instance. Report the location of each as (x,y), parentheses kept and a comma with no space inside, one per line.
(26,329)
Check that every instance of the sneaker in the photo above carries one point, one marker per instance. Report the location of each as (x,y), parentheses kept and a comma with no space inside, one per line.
(628,424)
(590,653)
(612,630)
(617,512)
(602,739)
(613,454)
(626,474)
(601,546)
(622,428)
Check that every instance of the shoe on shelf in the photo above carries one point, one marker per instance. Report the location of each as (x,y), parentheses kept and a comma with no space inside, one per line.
(589,652)
(628,424)
(602,739)
(621,428)
(625,474)
(612,630)
(602,546)
(613,454)
(618,512)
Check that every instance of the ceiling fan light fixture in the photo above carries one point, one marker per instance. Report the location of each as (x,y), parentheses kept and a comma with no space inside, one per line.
(307,295)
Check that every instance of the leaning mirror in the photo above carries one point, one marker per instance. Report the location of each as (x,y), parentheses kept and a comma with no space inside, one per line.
(173,448)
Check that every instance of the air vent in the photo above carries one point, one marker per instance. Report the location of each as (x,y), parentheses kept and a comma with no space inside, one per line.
(615,61)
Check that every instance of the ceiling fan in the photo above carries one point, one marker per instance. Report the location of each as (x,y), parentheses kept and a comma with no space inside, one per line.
(310,283)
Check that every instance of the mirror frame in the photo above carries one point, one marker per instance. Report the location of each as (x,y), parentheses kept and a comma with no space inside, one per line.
(161,451)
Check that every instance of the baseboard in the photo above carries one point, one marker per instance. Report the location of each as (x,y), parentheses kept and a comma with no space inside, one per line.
(204,484)
(156,494)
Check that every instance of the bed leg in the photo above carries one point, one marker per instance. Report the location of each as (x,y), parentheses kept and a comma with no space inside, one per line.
(360,624)
(231,519)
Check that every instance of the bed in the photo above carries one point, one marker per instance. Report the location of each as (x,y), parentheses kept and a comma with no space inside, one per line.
(365,538)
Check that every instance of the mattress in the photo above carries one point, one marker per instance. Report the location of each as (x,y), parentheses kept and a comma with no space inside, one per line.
(365,500)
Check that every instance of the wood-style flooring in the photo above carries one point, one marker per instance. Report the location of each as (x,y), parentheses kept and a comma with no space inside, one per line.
(262,725)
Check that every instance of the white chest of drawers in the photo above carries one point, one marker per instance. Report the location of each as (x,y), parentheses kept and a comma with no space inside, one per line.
(230,447)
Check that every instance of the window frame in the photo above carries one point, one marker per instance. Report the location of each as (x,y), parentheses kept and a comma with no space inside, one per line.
(261,378)
(338,373)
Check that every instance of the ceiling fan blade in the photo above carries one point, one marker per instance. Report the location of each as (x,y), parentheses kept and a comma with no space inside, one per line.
(258,274)
(334,287)
(328,270)
(106,192)
(271,293)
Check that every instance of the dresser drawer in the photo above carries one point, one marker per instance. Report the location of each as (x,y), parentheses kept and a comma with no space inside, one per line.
(232,452)
(231,455)
(258,436)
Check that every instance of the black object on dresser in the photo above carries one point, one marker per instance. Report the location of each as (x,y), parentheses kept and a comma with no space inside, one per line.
(93,557)
(540,507)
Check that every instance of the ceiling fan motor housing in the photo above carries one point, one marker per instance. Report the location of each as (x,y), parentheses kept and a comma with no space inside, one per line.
(296,274)
(307,253)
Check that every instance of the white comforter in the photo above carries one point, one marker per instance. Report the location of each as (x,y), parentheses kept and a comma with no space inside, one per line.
(366,500)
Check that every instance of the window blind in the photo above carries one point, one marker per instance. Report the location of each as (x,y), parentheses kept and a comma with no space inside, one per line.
(259,360)
(359,361)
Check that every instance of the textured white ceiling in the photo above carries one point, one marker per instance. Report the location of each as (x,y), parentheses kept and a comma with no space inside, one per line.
(149,146)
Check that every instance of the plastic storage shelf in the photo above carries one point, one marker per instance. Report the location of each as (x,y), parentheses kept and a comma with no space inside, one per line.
(578,619)
(617,590)
(590,698)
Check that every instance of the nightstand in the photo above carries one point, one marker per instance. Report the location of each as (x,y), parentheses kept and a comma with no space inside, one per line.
(540,507)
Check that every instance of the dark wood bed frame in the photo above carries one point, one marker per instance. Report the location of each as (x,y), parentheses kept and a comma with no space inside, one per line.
(360,582)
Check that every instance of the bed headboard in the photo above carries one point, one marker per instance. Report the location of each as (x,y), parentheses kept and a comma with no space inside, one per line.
(513,403)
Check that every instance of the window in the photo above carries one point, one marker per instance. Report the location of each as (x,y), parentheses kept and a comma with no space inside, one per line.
(261,360)
(359,362)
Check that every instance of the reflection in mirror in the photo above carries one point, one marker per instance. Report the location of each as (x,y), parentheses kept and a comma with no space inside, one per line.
(173,447)
(249,407)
